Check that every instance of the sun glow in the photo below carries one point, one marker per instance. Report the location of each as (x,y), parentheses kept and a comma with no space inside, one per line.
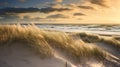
(110,14)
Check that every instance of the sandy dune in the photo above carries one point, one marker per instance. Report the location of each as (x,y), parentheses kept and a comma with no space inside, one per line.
(18,55)
(31,47)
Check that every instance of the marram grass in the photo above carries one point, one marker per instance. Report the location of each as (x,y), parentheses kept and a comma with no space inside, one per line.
(113,42)
(92,38)
(12,33)
(45,42)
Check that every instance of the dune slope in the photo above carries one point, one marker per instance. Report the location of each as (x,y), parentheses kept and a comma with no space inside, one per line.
(29,46)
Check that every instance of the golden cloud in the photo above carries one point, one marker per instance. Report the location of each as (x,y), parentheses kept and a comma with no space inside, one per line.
(59,1)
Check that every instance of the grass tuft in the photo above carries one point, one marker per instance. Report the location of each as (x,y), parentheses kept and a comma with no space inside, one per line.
(29,34)
(89,38)
(92,38)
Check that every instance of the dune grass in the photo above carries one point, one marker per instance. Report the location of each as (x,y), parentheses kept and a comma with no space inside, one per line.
(93,38)
(89,38)
(15,33)
(74,51)
(44,42)
(116,37)
(111,41)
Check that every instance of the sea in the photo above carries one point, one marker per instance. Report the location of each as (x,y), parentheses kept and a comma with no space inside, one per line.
(98,29)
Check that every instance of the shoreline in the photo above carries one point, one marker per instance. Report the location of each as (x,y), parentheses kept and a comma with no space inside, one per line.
(55,24)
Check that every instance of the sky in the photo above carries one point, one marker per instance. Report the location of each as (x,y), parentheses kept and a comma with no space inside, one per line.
(60,11)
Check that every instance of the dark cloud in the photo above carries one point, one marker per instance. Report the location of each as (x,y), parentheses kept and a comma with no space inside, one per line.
(98,2)
(86,7)
(4,11)
(26,17)
(57,16)
(4,3)
(78,14)
(22,0)
(12,18)
(9,18)
(50,9)
(38,19)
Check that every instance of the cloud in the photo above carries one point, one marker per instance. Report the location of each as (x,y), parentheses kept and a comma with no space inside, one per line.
(17,10)
(22,0)
(5,11)
(50,9)
(98,2)
(78,14)
(38,18)
(86,7)
(57,6)
(59,1)
(57,16)
(12,18)
(72,5)
(30,18)
(9,18)
(4,3)
(26,17)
